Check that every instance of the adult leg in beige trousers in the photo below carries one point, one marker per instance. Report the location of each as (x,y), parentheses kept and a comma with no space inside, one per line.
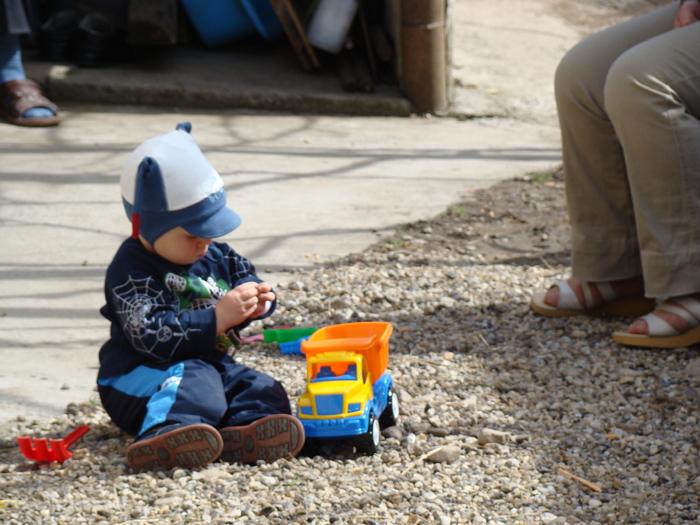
(629,108)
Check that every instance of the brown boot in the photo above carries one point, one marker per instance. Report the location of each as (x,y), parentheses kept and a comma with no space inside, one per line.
(267,439)
(177,445)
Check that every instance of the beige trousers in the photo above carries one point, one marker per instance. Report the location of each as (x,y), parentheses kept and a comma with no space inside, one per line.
(629,107)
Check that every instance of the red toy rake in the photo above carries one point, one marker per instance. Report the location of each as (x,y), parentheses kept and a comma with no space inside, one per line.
(50,450)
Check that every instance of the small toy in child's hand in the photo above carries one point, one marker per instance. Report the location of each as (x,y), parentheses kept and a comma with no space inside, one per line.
(45,450)
(228,342)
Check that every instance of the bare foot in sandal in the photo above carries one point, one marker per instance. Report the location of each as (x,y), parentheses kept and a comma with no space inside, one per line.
(674,323)
(574,297)
(22,103)
(623,289)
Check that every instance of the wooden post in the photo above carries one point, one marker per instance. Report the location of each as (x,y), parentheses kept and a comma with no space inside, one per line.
(424,54)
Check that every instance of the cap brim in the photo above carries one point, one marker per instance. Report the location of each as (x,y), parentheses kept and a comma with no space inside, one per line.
(217,225)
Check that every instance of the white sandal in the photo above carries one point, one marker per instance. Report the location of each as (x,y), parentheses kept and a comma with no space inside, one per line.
(569,305)
(663,335)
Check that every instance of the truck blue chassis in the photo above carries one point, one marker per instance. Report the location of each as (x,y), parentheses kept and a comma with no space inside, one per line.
(355,425)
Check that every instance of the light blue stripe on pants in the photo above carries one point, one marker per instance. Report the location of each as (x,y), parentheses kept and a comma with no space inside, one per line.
(159,386)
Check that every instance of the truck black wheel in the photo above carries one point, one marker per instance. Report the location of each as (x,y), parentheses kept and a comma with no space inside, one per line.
(367,442)
(311,448)
(390,416)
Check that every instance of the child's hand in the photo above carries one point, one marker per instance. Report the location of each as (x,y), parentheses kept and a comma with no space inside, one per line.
(237,305)
(265,297)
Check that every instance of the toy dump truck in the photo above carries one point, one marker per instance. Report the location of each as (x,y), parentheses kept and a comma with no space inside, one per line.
(348,393)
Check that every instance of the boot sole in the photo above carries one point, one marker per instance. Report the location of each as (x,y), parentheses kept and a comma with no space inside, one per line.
(189,447)
(267,439)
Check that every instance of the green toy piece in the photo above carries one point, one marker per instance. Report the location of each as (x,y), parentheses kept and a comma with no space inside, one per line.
(286,335)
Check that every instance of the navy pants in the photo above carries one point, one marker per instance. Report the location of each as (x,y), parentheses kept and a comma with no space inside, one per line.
(190,392)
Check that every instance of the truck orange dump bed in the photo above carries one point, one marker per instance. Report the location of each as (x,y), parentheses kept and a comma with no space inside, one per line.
(370,339)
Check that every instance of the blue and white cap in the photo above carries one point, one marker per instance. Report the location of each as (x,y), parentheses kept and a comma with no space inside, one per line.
(167,182)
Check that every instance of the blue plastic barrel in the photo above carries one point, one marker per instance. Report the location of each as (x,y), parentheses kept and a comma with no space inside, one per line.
(220,22)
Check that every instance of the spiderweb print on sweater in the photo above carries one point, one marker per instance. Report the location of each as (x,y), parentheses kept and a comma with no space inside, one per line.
(135,302)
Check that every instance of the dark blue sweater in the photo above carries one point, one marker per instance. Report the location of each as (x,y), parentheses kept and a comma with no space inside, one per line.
(163,313)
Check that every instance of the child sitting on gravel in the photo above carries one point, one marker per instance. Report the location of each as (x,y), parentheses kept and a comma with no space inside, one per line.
(176,301)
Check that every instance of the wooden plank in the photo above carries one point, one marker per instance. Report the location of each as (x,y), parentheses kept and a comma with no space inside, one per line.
(302,33)
(296,35)
(368,44)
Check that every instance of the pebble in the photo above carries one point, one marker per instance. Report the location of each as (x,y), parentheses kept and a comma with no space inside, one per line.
(446,454)
(504,397)
(488,435)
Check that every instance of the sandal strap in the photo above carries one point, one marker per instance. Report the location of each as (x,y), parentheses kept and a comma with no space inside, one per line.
(18,96)
(692,306)
(689,310)
(569,300)
(587,295)
(658,327)
(606,291)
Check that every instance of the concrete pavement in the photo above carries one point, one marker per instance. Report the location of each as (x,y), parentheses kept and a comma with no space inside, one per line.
(309,188)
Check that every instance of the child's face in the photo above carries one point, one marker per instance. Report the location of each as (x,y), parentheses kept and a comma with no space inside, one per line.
(180,247)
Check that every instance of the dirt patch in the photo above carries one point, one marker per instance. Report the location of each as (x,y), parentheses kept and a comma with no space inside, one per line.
(520,221)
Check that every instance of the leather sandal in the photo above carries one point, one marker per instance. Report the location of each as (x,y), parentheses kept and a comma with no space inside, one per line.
(570,306)
(18,96)
(663,335)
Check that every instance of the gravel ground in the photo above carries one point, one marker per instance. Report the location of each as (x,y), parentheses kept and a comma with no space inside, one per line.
(499,405)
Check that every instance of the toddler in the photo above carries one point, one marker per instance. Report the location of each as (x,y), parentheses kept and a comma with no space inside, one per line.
(176,301)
